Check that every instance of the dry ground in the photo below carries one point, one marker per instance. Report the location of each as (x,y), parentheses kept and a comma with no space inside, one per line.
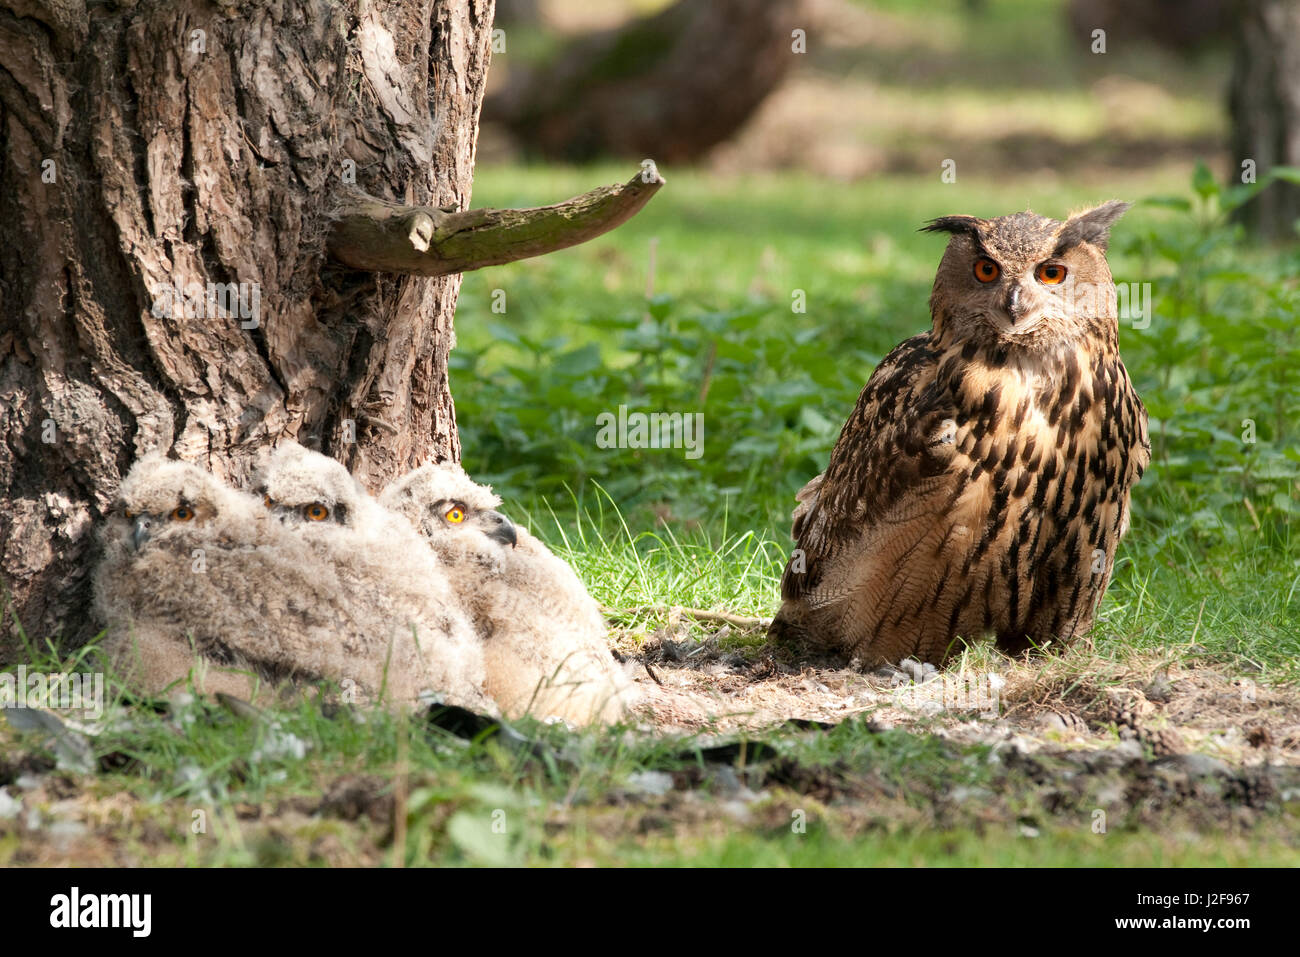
(1171,753)
(1074,701)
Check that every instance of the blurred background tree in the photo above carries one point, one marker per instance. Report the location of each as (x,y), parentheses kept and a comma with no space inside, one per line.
(1265,105)
(669,86)
(678,81)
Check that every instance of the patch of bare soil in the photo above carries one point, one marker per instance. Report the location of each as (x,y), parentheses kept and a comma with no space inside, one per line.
(1149,745)
(1073,701)
(49,819)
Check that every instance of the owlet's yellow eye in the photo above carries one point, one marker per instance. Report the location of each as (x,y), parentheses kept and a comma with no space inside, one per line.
(986,270)
(455,515)
(182,514)
(1049,274)
(266,500)
(316,512)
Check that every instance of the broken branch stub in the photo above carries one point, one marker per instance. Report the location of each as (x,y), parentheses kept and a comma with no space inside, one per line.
(379,236)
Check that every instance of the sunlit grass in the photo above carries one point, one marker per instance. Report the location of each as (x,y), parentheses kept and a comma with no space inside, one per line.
(1209,575)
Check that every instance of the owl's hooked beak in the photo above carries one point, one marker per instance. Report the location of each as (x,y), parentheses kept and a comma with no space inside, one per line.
(499,528)
(142,530)
(1014,303)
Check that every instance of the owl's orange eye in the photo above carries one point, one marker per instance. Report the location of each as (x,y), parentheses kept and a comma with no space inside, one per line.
(182,514)
(986,270)
(266,500)
(455,515)
(316,512)
(1049,274)
(130,515)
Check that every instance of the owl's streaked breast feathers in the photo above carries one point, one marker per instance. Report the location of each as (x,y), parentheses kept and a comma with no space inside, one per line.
(981,483)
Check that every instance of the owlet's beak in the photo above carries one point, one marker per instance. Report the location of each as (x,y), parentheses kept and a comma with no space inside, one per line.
(142,530)
(499,528)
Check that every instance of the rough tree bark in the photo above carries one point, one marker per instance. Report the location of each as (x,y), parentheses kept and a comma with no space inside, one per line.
(1264,101)
(171,173)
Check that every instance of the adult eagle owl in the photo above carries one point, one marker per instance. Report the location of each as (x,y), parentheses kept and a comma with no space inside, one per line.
(982,483)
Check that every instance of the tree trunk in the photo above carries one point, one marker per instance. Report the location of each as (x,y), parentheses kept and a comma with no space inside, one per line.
(1264,101)
(157,145)
(1183,26)
(672,85)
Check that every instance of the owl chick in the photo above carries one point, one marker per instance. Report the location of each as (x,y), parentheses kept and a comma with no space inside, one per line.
(194,583)
(543,635)
(982,483)
(382,564)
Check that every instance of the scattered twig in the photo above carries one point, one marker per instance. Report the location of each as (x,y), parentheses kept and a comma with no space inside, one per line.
(699,614)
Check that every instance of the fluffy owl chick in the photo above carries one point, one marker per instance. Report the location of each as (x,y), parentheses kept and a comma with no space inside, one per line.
(543,635)
(982,483)
(177,580)
(386,573)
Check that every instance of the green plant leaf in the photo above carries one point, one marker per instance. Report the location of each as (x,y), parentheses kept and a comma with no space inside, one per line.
(1203,181)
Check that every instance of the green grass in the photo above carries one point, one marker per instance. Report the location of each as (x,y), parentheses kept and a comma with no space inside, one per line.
(1202,580)
(1209,575)
(1213,537)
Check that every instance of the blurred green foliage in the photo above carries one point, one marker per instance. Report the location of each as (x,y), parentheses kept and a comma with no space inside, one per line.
(1213,556)
(1216,364)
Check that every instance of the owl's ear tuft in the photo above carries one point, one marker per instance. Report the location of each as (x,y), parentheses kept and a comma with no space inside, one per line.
(964,225)
(1091,226)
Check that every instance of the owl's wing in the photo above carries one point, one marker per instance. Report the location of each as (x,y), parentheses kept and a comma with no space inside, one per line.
(1137,413)
(807,499)
(892,446)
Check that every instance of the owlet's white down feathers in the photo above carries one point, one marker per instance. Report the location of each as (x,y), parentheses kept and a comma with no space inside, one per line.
(544,638)
(312,579)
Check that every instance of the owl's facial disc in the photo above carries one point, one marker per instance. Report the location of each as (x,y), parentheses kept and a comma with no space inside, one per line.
(144,524)
(491,523)
(1020,299)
